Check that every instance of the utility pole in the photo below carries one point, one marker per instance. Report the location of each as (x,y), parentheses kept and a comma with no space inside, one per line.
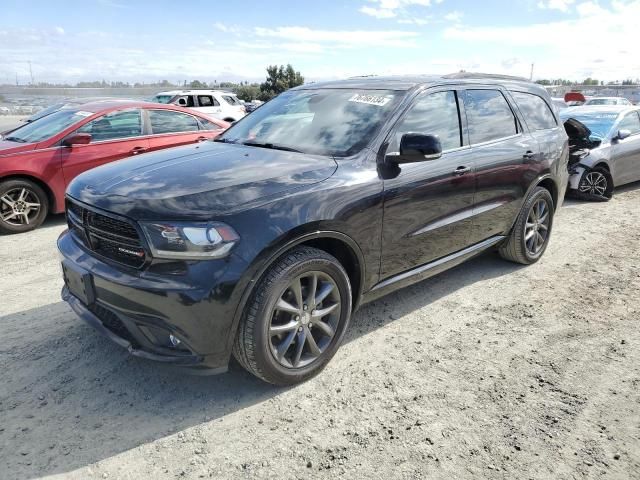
(31,72)
(531,74)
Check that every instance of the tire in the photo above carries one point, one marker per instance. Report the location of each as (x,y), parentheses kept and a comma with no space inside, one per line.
(595,185)
(266,354)
(517,247)
(18,211)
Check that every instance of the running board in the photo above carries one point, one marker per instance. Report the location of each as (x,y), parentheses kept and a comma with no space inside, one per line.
(432,268)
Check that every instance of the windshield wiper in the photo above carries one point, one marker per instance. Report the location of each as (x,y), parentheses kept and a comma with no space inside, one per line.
(223,140)
(272,146)
(15,139)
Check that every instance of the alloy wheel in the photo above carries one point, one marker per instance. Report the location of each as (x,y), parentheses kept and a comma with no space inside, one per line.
(594,183)
(19,206)
(536,229)
(304,320)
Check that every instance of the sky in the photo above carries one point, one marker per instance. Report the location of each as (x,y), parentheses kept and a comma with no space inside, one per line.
(146,41)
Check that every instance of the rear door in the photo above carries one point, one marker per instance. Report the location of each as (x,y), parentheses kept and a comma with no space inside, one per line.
(428,205)
(626,152)
(505,157)
(114,136)
(170,128)
(208,104)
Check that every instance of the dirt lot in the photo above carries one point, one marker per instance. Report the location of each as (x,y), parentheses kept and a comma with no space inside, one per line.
(490,370)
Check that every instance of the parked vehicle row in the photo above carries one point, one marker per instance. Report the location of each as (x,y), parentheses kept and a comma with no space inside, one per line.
(40,158)
(263,243)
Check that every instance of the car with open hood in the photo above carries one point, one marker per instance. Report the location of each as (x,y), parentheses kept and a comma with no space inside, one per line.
(262,243)
(605,149)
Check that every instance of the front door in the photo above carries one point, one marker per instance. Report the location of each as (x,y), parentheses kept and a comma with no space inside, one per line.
(428,205)
(114,136)
(626,152)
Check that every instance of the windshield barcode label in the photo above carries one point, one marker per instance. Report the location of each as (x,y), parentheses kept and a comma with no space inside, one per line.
(370,99)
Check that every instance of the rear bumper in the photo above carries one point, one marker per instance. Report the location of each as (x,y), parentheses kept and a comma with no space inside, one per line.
(141,310)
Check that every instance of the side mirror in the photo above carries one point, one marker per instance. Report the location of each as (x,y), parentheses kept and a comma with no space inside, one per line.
(77,139)
(622,134)
(416,147)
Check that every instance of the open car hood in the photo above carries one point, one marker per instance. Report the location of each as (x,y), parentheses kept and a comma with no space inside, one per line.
(576,130)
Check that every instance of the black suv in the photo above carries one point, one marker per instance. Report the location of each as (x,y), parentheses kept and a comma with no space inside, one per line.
(264,242)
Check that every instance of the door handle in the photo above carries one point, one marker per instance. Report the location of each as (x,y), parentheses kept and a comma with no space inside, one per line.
(529,155)
(138,150)
(201,139)
(461,170)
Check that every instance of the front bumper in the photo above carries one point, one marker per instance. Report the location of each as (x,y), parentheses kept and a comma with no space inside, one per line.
(141,310)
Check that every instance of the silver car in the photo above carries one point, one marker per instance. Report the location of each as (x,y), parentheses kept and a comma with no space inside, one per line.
(604,144)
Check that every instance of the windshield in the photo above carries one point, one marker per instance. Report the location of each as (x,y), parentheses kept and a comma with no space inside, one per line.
(600,124)
(602,101)
(46,127)
(44,112)
(162,98)
(325,122)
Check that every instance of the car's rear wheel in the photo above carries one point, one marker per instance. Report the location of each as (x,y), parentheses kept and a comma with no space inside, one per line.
(530,235)
(23,206)
(596,185)
(295,321)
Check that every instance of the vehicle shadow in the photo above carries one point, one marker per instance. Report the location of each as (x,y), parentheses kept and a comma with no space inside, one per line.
(71,398)
(51,221)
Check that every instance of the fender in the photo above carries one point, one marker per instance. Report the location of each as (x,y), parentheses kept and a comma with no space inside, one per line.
(269,257)
(533,185)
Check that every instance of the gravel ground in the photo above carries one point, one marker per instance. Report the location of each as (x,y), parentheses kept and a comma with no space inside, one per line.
(490,370)
(10,121)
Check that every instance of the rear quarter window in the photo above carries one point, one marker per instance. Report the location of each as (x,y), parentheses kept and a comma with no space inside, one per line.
(536,111)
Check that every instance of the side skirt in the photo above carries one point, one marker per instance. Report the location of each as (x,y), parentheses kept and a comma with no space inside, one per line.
(429,269)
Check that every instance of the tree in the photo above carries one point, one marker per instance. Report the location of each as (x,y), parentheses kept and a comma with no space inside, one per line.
(247,93)
(197,84)
(279,79)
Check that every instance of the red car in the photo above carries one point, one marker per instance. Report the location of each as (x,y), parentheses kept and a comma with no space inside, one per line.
(39,159)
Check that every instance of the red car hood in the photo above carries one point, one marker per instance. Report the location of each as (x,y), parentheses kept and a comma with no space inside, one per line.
(7,148)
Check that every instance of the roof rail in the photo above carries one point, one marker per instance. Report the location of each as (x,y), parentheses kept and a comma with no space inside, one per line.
(484,75)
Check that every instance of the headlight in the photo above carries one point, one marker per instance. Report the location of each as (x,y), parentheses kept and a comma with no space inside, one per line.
(185,240)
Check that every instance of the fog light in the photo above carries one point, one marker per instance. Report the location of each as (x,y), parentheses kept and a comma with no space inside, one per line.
(175,341)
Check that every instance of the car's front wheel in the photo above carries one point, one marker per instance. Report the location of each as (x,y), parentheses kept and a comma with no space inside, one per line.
(295,321)
(596,185)
(23,206)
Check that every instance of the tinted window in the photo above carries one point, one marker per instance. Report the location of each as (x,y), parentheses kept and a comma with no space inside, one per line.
(208,125)
(185,101)
(207,101)
(536,112)
(433,114)
(231,100)
(114,125)
(168,121)
(488,115)
(630,122)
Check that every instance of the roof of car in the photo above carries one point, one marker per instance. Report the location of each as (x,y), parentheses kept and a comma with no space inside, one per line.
(409,82)
(100,105)
(599,109)
(194,92)
(605,98)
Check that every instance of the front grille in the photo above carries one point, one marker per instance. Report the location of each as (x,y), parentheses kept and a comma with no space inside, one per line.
(113,323)
(109,237)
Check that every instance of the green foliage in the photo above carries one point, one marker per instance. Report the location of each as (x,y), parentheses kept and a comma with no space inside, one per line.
(198,84)
(279,79)
(246,92)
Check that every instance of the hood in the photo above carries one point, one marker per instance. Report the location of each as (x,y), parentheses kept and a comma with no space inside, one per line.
(197,181)
(8,148)
(576,130)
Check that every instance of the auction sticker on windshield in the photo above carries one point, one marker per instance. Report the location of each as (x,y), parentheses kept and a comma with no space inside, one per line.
(370,99)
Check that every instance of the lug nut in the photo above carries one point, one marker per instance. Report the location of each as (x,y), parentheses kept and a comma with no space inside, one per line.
(299,329)
(310,324)
(296,318)
(304,307)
